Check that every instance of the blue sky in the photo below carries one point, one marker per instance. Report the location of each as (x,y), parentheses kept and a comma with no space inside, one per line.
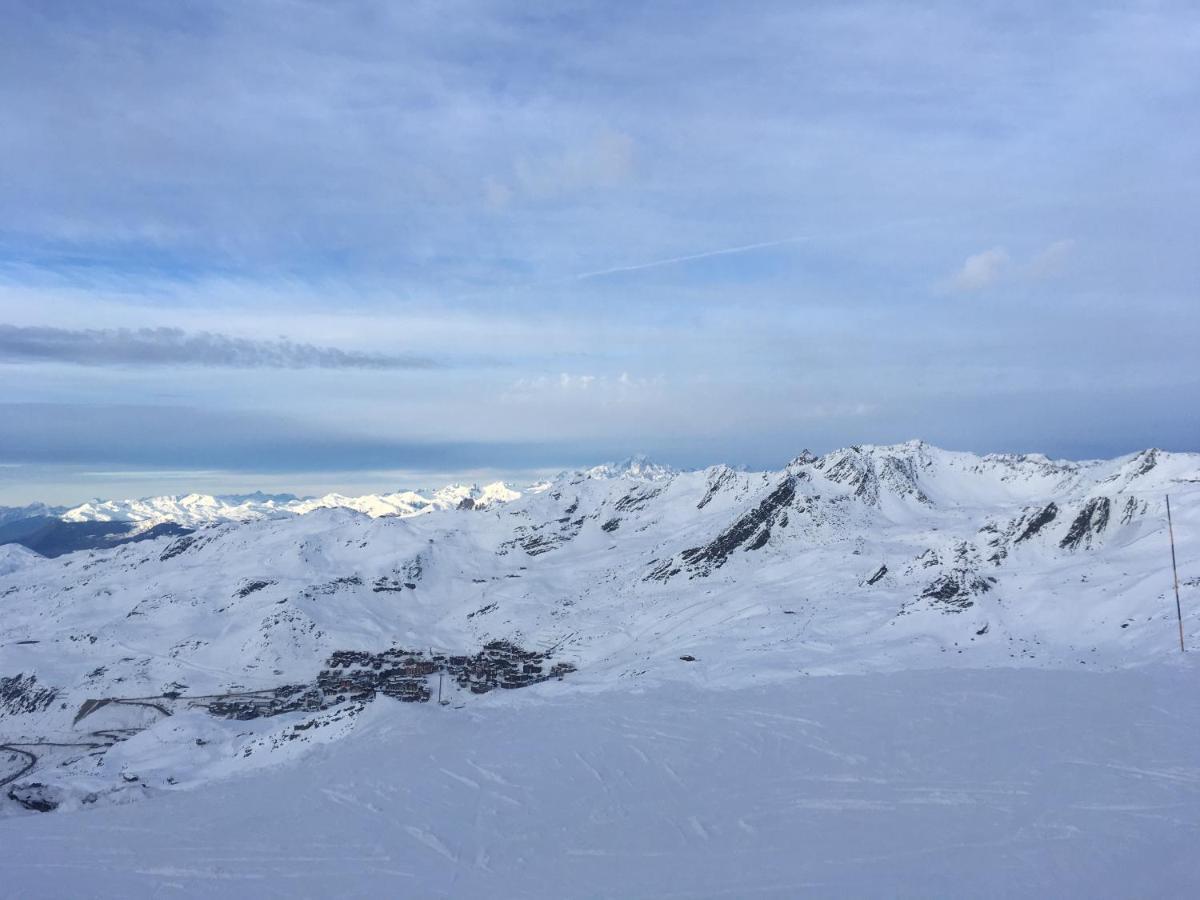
(361,245)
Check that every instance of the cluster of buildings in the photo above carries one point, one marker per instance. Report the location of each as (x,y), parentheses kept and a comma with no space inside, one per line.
(402,674)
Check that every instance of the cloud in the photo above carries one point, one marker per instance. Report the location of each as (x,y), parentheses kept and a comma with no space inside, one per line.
(446,175)
(1052,260)
(988,268)
(981,270)
(176,347)
(73,450)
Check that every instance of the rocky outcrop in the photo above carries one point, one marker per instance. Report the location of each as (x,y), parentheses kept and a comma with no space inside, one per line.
(1039,521)
(720,478)
(1091,521)
(21,693)
(955,590)
(750,532)
(869,472)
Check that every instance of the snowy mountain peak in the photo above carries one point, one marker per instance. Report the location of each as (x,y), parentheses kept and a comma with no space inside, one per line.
(638,466)
(872,472)
(804,458)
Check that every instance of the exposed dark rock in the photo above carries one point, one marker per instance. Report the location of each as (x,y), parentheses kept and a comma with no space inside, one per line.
(636,499)
(538,539)
(184,544)
(329,588)
(21,693)
(1038,522)
(717,483)
(867,476)
(35,796)
(929,558)
(760,540)
(664,571)
(1145,461)
(385,583)
(611,525)
(751,531)
(879,573)
(1132,508)
(1092,520)
(250,587)
(466,503)
(956,589)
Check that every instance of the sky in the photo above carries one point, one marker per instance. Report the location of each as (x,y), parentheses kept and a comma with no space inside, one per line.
(368,245)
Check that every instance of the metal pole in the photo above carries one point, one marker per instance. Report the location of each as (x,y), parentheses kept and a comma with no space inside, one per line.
(1175,574)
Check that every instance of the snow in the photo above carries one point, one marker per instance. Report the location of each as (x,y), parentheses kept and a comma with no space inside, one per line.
(908,671)
(638,466)
(14,557)
(194,510)
(915,784)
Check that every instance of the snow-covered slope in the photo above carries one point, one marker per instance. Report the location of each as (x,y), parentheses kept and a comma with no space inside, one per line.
(14,557)
(984,783)
(246,644)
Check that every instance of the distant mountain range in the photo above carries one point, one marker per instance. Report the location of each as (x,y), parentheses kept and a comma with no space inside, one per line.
(53,531)
(96,524)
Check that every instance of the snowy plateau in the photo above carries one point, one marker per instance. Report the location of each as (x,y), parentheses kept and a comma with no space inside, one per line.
(885,671)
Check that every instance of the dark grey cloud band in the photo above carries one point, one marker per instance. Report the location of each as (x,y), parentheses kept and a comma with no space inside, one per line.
(175,347)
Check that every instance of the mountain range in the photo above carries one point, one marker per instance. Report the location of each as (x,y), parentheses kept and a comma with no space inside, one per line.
(274,625)
(53,531)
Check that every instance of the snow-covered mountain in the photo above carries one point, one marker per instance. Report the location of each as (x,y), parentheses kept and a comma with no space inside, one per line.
(192,510)
(31,511)
(247,642)
(638,466)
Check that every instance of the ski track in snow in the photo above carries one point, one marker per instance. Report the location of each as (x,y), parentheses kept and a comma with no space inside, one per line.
(916,794)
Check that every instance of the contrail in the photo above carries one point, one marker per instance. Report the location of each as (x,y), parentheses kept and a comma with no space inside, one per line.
(762,245)
(691,256)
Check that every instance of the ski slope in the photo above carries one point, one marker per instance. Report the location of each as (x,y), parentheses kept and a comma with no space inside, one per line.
(969,783)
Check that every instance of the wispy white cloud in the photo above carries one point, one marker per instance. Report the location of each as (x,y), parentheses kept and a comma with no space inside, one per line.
(603,388)
(981,270)
(1052,260)
(990,267)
